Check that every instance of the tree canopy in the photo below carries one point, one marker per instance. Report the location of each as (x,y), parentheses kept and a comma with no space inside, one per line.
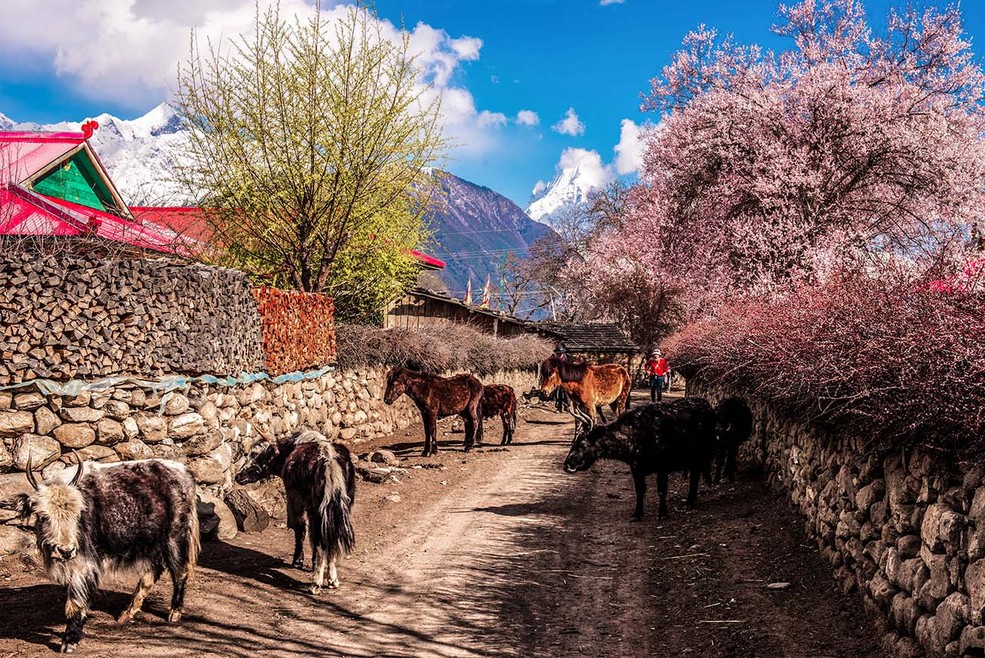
(311,149)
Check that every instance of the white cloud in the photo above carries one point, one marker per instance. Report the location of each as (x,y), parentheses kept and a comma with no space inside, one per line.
(127,51)
(629,150)
(611,2)
(570,124)
(538,188)
(527,118)
(591,170)
(491,119)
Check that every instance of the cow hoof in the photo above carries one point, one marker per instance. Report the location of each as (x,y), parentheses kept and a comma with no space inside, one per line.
(174,616)
(68,647)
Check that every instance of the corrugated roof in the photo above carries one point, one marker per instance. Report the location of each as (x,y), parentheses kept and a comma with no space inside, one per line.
(22,155)
(591,337)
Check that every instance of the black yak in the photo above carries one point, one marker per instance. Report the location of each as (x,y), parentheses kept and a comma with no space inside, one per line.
(734,426)
(320,484)
(438,397)
(113,517)
(654,438)
(500,400)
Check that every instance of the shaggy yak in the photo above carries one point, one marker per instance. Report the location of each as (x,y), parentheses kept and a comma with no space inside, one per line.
(588,387)
(500,400)
(655,438)
(109,518)
(320,483)
(438,397)
(734,426)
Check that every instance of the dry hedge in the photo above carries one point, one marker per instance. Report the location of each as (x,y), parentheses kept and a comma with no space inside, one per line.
(439,348)
(887,363)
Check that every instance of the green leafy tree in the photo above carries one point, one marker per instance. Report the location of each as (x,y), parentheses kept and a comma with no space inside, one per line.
(312,142)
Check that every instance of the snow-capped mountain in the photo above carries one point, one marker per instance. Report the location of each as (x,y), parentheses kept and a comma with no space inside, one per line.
(569,189)
(140,153)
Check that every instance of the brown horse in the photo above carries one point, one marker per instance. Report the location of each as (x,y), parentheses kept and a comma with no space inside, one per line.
(500,400)
(589,387)
(438,397)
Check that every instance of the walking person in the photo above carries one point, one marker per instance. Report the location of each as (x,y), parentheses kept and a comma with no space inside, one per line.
(560,397)
(656,367)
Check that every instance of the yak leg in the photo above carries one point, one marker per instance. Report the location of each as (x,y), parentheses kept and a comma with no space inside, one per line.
(179,582)
(76,612)
(692,489)
(319,572)
(295,521)
(662,489)
(719,464)
(731,457)
(503,416)
(144,586)
(639,482)
(333,573)
(430,435)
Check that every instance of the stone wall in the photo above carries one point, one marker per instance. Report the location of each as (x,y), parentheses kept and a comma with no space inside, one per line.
(65,317)
(904,529)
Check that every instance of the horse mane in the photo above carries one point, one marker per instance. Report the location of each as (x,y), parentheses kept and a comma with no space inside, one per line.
(569,371)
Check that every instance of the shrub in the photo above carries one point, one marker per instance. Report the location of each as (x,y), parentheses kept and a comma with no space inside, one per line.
(438,348)
(888,363)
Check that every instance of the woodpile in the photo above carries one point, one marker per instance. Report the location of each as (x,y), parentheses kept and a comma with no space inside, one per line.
(298,329)
(82,316)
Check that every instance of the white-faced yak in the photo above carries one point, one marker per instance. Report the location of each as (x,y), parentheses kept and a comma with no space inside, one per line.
(320,484)
(656,438)
(500,400)
(114,517)
(733,428)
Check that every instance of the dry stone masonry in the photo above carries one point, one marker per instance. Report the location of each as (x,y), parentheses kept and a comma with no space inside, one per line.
(65,317)
(906,529)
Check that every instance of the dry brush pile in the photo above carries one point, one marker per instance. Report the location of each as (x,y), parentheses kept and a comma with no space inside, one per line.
(438,348)
(899,364)
(298,329)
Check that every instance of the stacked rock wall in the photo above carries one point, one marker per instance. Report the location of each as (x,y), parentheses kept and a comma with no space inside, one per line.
(65,317)
(904,529)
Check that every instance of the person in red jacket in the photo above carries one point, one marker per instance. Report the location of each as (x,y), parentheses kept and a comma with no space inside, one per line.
(656,367)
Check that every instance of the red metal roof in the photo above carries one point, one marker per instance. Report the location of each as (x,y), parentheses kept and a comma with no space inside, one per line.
(24,154)
(29,213)
(428,261)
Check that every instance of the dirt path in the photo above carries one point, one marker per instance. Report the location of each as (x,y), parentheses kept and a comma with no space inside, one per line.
(495,553)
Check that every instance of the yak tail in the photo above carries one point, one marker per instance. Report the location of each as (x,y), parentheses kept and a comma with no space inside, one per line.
(335,508)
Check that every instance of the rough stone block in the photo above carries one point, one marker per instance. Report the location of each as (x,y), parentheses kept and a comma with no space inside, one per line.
(15,423)
(29,401)
(42,450)
(74,435)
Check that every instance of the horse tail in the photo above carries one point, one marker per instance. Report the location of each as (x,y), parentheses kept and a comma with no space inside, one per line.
(335,509)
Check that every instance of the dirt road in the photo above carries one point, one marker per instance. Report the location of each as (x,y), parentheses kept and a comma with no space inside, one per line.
(494,553)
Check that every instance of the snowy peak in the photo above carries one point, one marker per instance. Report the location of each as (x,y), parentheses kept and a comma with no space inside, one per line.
(570,187)
(6,123)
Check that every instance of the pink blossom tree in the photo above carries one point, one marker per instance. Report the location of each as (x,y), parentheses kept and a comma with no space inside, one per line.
(771,168)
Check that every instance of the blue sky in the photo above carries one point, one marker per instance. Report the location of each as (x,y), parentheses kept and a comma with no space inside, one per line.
(543,56)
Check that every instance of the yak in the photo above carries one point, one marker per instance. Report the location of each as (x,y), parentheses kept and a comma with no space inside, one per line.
(320,484)
(500,400)
(654,438)
(734,426)
(110,518)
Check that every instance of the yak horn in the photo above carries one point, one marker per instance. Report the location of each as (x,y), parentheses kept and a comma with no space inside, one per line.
(78,473)
(30,474)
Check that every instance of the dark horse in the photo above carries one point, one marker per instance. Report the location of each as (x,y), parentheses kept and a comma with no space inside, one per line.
(438,397)
(500,400)
(320,484)
(589,387)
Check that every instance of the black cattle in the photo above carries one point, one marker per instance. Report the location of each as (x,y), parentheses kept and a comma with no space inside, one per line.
(320,484)
(734,426)
(115,517)
(656,438)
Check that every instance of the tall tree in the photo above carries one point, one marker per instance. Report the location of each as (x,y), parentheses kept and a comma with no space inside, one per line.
(311,147)
(850,148)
